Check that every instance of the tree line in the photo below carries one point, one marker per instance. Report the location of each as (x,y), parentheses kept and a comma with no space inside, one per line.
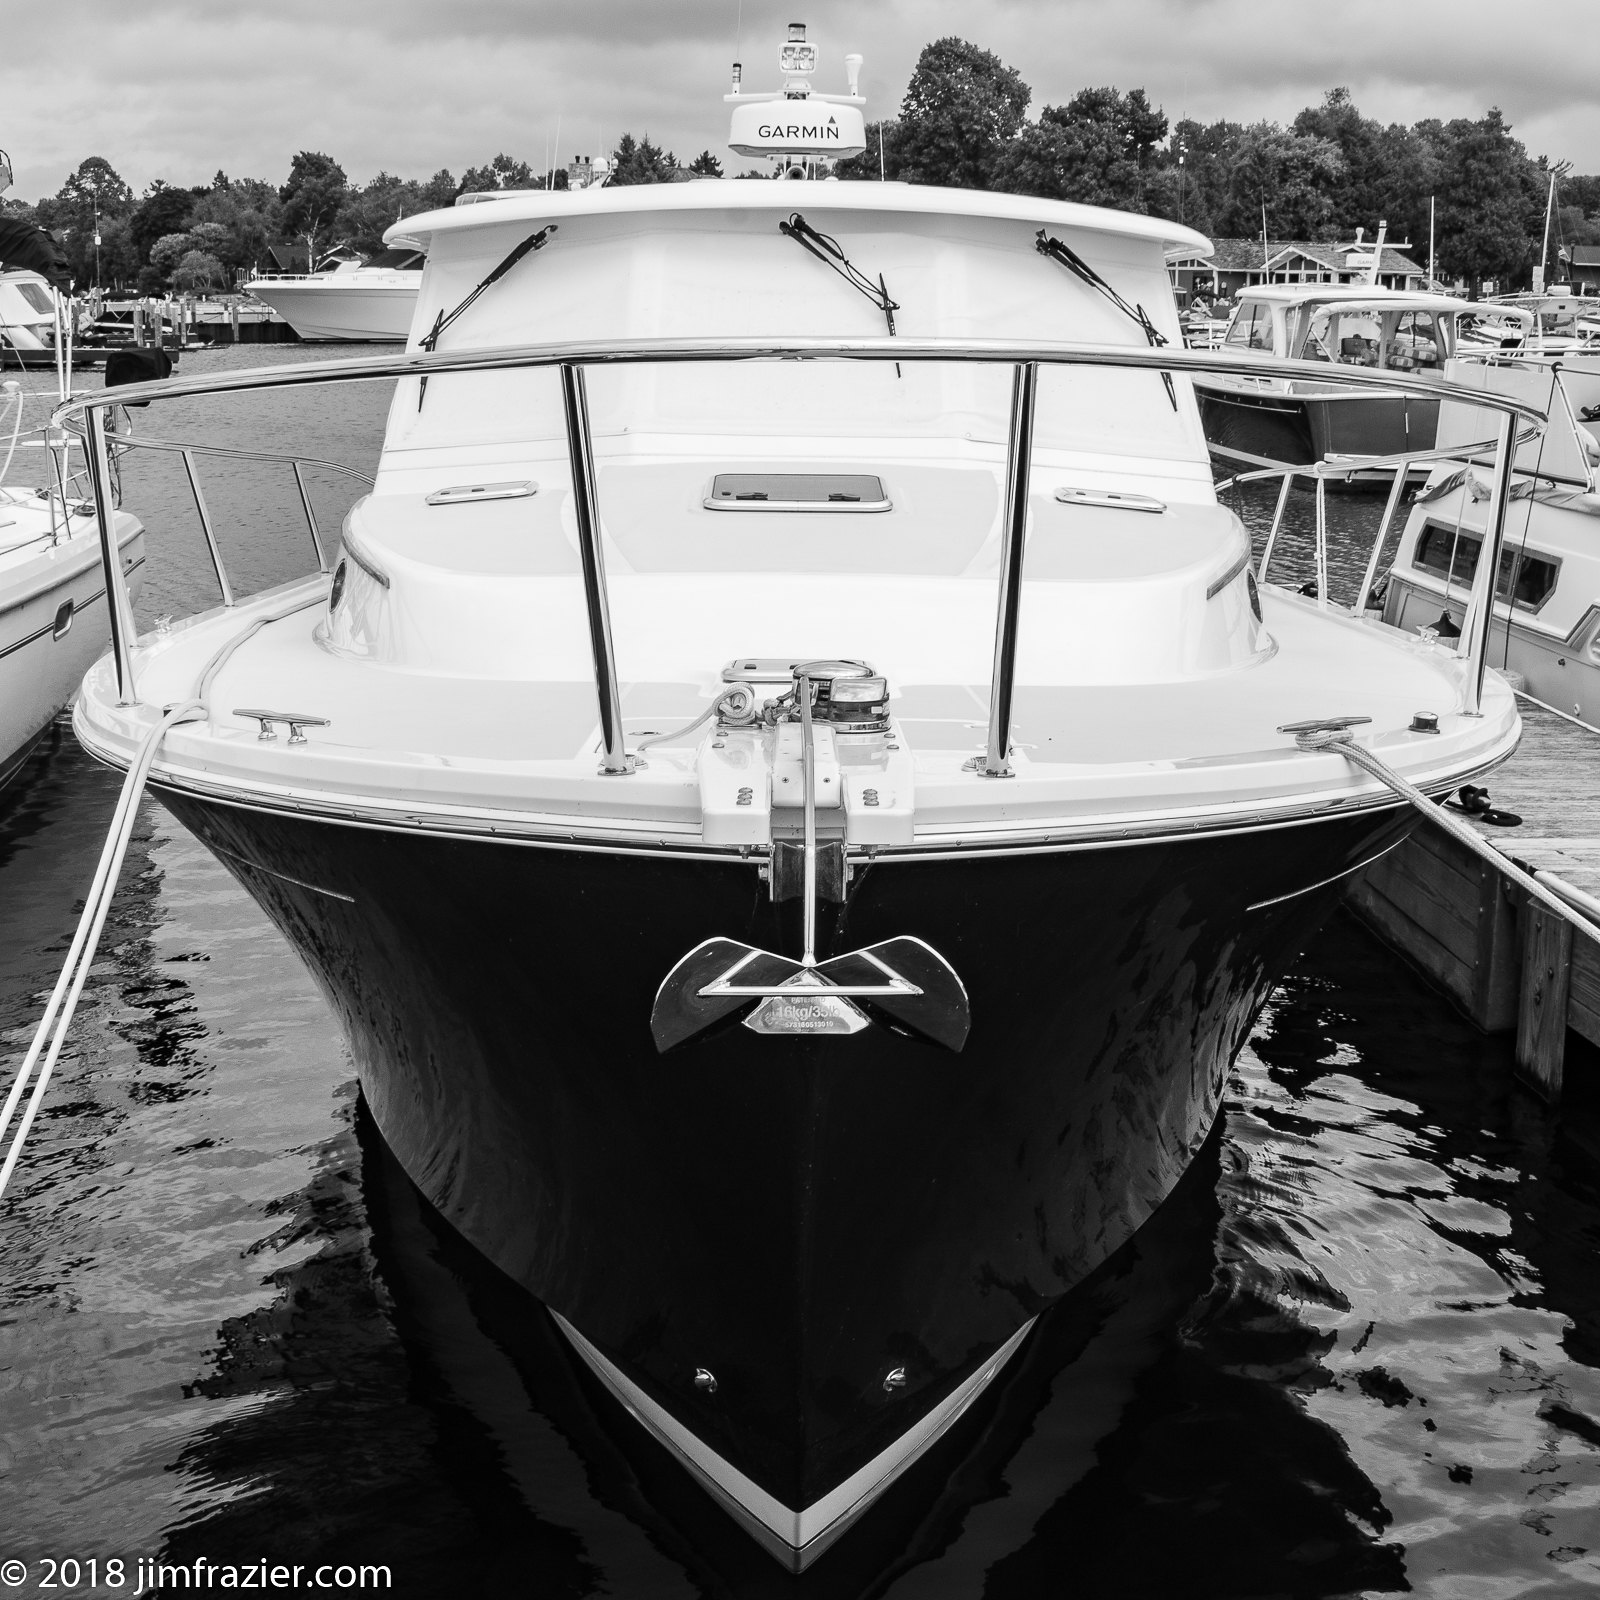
(963,122)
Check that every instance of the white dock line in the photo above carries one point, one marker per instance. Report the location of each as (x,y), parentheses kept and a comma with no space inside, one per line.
(1338,738)
(58,1013)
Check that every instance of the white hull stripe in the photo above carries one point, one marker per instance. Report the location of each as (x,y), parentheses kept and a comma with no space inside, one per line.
(796,1537)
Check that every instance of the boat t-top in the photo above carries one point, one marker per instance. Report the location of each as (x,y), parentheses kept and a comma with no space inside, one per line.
(789,781)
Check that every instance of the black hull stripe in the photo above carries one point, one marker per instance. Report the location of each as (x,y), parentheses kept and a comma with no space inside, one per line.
(77,606)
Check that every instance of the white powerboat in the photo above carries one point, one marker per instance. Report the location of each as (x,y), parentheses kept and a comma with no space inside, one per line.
(53,620)
(1547,610)
(1564,323)
(1269,422)
(792,786)
(352,301)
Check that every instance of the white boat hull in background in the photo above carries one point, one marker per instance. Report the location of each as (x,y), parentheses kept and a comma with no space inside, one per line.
(350,313)
(53,620)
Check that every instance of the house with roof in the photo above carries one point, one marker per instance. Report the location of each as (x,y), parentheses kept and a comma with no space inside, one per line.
(1235,264)
(1583,268)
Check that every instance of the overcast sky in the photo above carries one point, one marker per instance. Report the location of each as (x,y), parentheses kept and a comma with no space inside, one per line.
(175,89)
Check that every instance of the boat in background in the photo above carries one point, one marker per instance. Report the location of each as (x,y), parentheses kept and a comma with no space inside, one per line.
(348,299)
(53,619)
(1547,609)
(1564,323)
(1269,422)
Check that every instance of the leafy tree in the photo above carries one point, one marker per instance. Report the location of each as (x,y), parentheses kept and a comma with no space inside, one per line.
(501,173)
(162,211)
(1582,192)
(247,213)
(1095,149)
(706,165)
(169,250)
(643,162)
(1289,174)
(92,194)
(439,190)
(1388,172)
(1490,199)
(881,158)
(199,271)
(961,108)
(312,197)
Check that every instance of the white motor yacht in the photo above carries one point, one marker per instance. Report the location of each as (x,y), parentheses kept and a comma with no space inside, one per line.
(792,786)
(53,620)
(348,300)
(1547,608)
(1564,323)
(1271,422)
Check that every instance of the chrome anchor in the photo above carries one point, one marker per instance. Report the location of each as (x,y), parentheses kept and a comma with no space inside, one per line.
(902,982)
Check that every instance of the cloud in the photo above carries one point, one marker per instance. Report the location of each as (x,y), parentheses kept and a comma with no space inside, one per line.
(179,88)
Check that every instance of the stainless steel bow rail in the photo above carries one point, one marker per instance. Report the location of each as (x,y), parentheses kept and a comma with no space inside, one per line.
(1027,357)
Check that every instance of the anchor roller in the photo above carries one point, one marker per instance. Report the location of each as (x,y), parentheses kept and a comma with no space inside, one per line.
(902,983)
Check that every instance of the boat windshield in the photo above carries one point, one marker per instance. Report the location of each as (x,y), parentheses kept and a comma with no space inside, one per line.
(1251,328)
(1362,336)
(36,296)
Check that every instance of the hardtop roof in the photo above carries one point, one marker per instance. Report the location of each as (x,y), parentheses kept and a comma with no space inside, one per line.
(730,194)
(1307,293)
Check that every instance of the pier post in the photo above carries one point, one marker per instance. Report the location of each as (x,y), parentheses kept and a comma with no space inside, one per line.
(1542,1011)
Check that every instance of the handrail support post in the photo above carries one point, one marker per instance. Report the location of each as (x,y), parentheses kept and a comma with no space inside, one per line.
(1368,577)
(586,508)
(206,528)
(1277,523)
(311,517)
(1476,636)
(118,606)
(1013,548)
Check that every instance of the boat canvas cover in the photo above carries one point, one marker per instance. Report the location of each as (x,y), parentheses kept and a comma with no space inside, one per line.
(26,247)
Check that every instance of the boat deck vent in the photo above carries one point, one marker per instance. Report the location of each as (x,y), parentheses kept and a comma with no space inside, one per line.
(797,491)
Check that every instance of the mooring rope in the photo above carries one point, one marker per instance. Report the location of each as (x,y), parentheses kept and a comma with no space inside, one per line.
(1339,739)
(58,1013)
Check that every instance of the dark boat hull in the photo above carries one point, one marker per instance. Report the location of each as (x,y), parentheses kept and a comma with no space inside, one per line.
(1259,430)
(803,1218)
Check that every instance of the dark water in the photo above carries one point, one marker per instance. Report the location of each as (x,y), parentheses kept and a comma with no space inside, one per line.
(1355,1355)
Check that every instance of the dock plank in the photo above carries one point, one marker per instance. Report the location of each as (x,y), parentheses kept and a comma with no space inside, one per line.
(1553,784)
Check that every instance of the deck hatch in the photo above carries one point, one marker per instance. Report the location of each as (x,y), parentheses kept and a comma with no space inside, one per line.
(797,491)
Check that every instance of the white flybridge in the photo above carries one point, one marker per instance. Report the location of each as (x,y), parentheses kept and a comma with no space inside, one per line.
(350,300)
(792,785)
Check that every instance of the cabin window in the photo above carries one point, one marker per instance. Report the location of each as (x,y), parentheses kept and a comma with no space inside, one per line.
(1418,344)
(1525,576)
(1252,326)
(36,296)
(1351,338)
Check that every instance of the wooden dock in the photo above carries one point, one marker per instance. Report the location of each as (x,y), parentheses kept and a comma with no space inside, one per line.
(1507,961)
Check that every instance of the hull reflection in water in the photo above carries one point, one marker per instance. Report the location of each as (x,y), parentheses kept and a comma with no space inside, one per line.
(796,1224)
